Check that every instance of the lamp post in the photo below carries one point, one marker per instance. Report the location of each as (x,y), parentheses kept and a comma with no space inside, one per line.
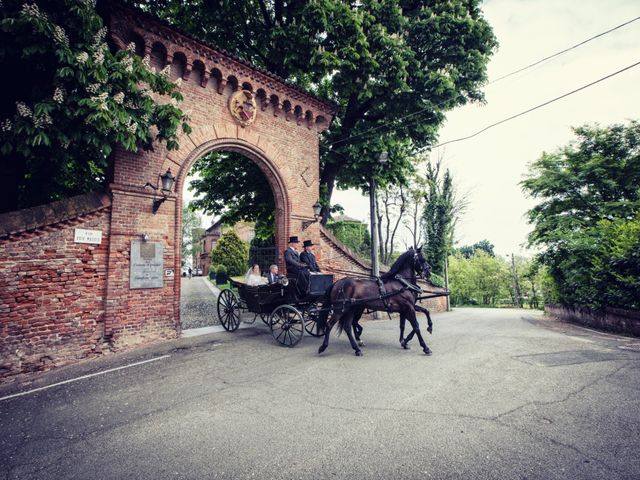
(375,266)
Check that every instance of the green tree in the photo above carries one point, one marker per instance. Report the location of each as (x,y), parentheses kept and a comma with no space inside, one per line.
(468,251)
(68,100)
(354,235)
(481,279)
(233,187)
(392,67)
(191,232)
(231,252)
(586,220)
(443,208)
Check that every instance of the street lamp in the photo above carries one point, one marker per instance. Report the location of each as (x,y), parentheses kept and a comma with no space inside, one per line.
(166,184)
(317,210)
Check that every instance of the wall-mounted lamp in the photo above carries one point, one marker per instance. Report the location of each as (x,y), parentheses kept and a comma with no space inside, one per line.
(166,184)
(317,210)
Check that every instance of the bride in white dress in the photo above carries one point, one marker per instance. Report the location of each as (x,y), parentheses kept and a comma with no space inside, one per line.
(253,277)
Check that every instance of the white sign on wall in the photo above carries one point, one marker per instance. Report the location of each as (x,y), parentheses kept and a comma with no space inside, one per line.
(87,236)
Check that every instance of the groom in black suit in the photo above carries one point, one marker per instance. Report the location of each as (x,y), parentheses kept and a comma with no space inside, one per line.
(308,257)
(296,269)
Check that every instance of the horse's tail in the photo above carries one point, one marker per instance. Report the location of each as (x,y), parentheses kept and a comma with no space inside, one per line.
(326,307)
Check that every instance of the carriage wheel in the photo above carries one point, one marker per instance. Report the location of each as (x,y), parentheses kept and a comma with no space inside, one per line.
(229,310)
(311,313)
(265,318)
(287,325)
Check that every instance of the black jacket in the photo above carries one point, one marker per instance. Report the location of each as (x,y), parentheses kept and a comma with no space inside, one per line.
(310,259)
(294,265)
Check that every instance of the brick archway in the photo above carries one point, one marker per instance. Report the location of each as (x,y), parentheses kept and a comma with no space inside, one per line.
(268,168)
(283,141)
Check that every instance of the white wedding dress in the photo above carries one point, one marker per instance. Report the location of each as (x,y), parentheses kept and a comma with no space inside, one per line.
(252,279)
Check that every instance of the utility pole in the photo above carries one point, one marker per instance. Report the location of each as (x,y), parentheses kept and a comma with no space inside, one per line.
(446,280)
(375,246)
(375,267)
(516,286)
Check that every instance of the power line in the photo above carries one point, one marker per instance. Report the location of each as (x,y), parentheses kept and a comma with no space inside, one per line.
(534,108)
(562,51)
(373,129)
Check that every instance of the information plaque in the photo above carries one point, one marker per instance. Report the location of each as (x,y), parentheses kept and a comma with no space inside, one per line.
(146,265)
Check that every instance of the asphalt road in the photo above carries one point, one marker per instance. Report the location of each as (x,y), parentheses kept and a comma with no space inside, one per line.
(506,395)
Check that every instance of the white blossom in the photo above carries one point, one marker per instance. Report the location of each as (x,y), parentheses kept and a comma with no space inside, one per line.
(146,61)
(127,62)
(119,98)
(98,56)
(93,88)
(7,125)
(100,36)
(23,110)
(60,35)
(58,95)
(32,10)
(82,57)
(166,70)
(132,127)
(131,47)
(42,120)
(178,82)
(65,144)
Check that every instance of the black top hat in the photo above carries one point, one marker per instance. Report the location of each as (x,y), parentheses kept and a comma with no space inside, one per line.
(308,243)
(294,240)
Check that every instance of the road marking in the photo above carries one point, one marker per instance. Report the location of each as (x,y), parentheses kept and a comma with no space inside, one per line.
(83,377)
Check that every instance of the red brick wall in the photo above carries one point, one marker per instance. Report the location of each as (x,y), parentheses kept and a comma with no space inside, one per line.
(52,295)
(611,319)
(282,141)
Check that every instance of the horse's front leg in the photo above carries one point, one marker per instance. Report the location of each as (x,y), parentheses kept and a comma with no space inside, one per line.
(404,341)
(357,328)
(420,308)
(411,316)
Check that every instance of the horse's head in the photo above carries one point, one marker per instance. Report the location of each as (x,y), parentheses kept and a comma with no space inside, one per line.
(422,267)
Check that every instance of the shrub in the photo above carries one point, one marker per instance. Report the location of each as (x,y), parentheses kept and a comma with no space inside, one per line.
(436,280)
(232,253)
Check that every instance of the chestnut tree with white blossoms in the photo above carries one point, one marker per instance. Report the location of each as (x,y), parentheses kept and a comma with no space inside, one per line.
(69,99)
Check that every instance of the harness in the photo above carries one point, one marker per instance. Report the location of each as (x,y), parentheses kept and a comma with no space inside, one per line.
(383,295)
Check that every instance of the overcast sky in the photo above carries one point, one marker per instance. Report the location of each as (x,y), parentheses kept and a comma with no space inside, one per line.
(489,166)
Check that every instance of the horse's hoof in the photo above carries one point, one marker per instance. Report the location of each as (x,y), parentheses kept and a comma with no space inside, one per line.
(360,343)
(405,345)
(430,330)
(358,353)
(322,349)
(427,351)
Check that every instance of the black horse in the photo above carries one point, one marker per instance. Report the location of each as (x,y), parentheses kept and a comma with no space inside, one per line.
(349,297)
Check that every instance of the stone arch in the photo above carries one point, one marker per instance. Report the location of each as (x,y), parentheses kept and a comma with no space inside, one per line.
(271,173)
(198,72)
(158,56)
(286,152)
(178,65)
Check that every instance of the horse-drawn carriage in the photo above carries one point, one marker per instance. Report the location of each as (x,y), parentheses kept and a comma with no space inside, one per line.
(289,314)
(280,306)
